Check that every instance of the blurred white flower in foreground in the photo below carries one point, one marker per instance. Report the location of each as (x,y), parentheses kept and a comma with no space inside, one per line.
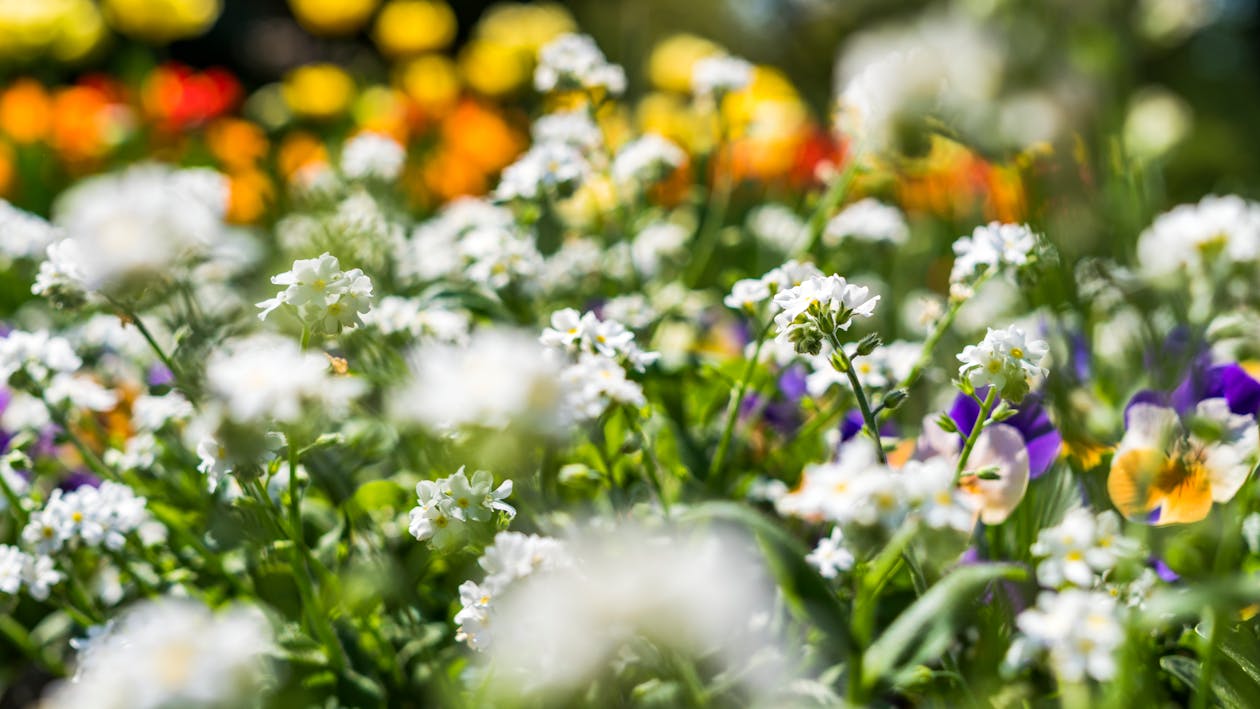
(867,220)
(573,61)
(170,652)
(269,377)
(372,155)
(1080,630)
(1192,236)
(720,75)
(696,593)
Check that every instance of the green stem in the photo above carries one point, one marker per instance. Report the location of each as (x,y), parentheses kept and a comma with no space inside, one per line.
(830,200)
(15,503)
(985,409)
(732,407)
(306,336)
(134,318)
(871,425)
(93,461)
(706,240)
(1203,690)
(653,473)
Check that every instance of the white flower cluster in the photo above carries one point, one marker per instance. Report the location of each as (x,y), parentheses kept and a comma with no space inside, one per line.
(749,293)
(133,225)
(268,377)
(321,294)
(1005,359)
(573,61)
(857,490)
(990,249)
(87,516)
(577,333)
(719,75)
(45,365)
(555,168)
(603,349)
(499,377)
(1191,235)
(776,226)
(1080,630)
(395,314)
(18,570)
(512,557)
(372,156)
(646,159)
(445,506)
(867,220)
(474,240)
(170,652)
(575,129)
(25,236)
(819,307)
(1082,549)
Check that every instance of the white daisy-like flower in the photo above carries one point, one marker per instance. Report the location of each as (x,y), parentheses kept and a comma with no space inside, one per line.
(1080,631)
(321,294)
(646,160)
(371,155)
(1006,359)
(1191,235)
(818,308)
(268,377)
(867,220)
(830,556)
(573,61)
(1081,549)
(719,75)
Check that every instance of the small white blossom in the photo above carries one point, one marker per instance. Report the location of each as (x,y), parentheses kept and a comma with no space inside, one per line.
(323,296)
(575,129)
(545,168)
(819,307)
(720,75)
(831,557)
(372,155)
(990,249)
(646,160)
(445,506)
(867,220)
(573,61)
(264,377)
(777,227)
(1080,630)
(1081,549)
(1005,359)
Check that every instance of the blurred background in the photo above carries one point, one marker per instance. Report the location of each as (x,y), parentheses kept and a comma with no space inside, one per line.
(1164,94)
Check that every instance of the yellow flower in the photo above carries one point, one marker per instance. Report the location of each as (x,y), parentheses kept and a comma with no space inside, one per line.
(161,21)
(672,59)
(524,27)
(380,109)
(407,27)
(333,17)
(432,81)
(66,30)
(494,69)
(318,91)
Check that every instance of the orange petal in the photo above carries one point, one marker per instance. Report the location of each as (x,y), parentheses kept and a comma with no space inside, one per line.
(1131,483)
(1189,494)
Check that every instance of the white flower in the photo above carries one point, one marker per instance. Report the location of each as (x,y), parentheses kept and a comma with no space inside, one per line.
(499,377)
(933,492)
(372,155)
(171,652)
(36,355)
(61,277)
(544,168)
(867,220)
(1005,359)
(22,234)
(1190,235)
(394,314)
(633,309)
(831,557)
(720,75)
(647,159)
(990,249)
(819,307)
(322,295)
(776,226)
(151,413)
(81,391)
(444,506)
(596,382)
(512,557)
(586,333)
(1081,631)
(264,377)
(574,128)
(573,61)
(1081,548)
(655,244)
(747,294)
(40,574)
(141,223)
(12,569)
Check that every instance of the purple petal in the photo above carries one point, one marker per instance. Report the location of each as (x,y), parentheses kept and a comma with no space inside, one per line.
(1164,571)
(1239,389)
(1040,436)
(792,382)
(1146,396)
(160,375)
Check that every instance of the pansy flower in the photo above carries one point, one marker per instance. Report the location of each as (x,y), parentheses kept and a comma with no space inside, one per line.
(1183,451)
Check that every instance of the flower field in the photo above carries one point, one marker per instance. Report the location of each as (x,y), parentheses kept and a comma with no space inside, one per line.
(398,353)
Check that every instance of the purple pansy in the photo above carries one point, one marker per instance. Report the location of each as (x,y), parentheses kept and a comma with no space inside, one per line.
(1040,436)
(1230,382)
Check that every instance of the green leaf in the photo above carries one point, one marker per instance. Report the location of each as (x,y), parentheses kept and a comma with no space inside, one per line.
(924,630)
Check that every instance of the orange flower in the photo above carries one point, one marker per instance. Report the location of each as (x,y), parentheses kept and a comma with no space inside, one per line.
(87,122)
(482,135)
(250,191)
(25,111)
(449,175)
(237,143)
(299,150)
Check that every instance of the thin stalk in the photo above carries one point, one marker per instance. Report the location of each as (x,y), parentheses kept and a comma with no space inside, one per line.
(15,503)
(134,318)
(652,474)
(1203,690)
(20,637)
(871,425)
(831,199)
(737,398)
(986,408)
(706,240)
